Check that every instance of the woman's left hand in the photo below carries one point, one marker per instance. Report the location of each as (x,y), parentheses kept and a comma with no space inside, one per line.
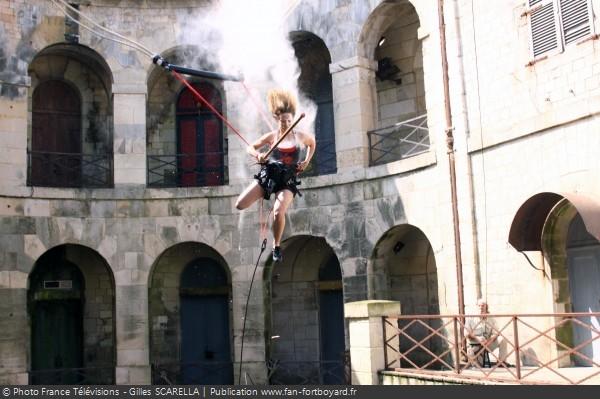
(301,166)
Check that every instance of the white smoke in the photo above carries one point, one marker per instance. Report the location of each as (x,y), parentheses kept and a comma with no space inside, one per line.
(248,38)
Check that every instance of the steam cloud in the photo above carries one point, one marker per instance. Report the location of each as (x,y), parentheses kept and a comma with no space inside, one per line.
(248,38)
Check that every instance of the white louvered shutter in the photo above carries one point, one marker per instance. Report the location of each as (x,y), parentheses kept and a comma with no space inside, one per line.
(575,18)
(544,37)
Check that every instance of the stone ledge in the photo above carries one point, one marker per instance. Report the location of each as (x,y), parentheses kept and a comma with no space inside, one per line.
(371,308)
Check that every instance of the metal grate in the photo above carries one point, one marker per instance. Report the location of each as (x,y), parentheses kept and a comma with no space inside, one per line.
(199,373)
(60,169)
(290,372)
(103,375)
(187,170)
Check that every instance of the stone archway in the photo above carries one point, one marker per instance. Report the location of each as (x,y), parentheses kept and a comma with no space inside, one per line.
(315,83)
(75,81)
(303,291)
(404,267)
(71,302)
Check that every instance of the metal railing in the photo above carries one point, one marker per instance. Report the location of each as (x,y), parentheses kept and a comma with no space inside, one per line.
(399,141)
(556,348)
(101,375)
(291,372)
(61,169)
(198,373)
(187,170)
(324,160)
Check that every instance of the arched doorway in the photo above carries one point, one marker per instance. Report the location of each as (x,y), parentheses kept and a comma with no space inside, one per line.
(200,159)
(564,227)
(404,264)
(190,317)
(314,82)
(205,341)
(71,306)
(306,339)
(55,135)
(56,322)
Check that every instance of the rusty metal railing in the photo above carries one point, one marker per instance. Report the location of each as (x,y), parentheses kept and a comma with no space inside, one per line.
(556,348)
(399,141)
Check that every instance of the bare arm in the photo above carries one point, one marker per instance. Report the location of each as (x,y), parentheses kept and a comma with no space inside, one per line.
(309,141)
(255,146)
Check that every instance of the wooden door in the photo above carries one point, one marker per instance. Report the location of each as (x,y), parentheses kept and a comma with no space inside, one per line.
(199,138)
(56,136)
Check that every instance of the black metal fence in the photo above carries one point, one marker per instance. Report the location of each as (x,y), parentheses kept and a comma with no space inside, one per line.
(187,170)
(329,372)
(60,169)
(402,140)
(200,373)
(102,375)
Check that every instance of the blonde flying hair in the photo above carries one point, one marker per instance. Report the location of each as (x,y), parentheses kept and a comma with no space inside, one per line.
(281,101)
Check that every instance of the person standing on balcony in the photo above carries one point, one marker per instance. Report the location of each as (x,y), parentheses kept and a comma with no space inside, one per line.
(278,174)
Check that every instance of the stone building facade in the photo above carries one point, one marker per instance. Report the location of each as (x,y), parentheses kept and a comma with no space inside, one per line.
(141,256)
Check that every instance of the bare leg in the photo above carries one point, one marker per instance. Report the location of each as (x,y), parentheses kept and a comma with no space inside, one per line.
(249,196)
(283,200)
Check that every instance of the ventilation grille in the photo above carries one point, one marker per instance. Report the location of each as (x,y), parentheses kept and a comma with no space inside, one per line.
(58,284)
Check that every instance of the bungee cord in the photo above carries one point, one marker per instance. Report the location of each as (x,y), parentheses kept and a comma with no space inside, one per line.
(126,41)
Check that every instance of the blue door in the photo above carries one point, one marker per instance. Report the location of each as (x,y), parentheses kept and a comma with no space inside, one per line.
(331,317)
(205,336)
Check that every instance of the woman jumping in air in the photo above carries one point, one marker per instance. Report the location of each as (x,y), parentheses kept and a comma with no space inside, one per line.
(278,173)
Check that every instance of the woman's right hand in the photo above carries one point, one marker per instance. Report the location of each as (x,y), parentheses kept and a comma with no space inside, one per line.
(261,157)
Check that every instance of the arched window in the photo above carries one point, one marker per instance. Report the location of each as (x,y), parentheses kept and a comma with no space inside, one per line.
(200,155)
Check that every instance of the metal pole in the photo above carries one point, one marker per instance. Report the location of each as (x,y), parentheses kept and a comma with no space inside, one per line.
(517,349)
(451,160)
(457,343)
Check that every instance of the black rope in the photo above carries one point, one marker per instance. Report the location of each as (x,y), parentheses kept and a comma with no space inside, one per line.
(262,249)
(532,265)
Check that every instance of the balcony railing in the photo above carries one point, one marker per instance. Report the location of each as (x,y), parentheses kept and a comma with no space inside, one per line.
(69,170)
(102,375)
(402,140)
(558,348)
(187,170)
(200,373)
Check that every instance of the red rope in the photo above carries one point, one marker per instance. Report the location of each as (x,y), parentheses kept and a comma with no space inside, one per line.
(209,105)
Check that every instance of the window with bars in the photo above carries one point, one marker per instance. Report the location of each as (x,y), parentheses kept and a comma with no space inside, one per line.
(558,23)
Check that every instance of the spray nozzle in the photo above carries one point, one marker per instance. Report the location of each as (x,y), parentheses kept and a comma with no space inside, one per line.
(160,61)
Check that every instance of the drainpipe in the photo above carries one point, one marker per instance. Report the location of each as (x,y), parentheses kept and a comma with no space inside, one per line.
(451,160)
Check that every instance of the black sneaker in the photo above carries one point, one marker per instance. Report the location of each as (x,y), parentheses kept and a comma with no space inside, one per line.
(277,256)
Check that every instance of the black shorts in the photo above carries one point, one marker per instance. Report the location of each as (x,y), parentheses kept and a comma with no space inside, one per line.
(276,176)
